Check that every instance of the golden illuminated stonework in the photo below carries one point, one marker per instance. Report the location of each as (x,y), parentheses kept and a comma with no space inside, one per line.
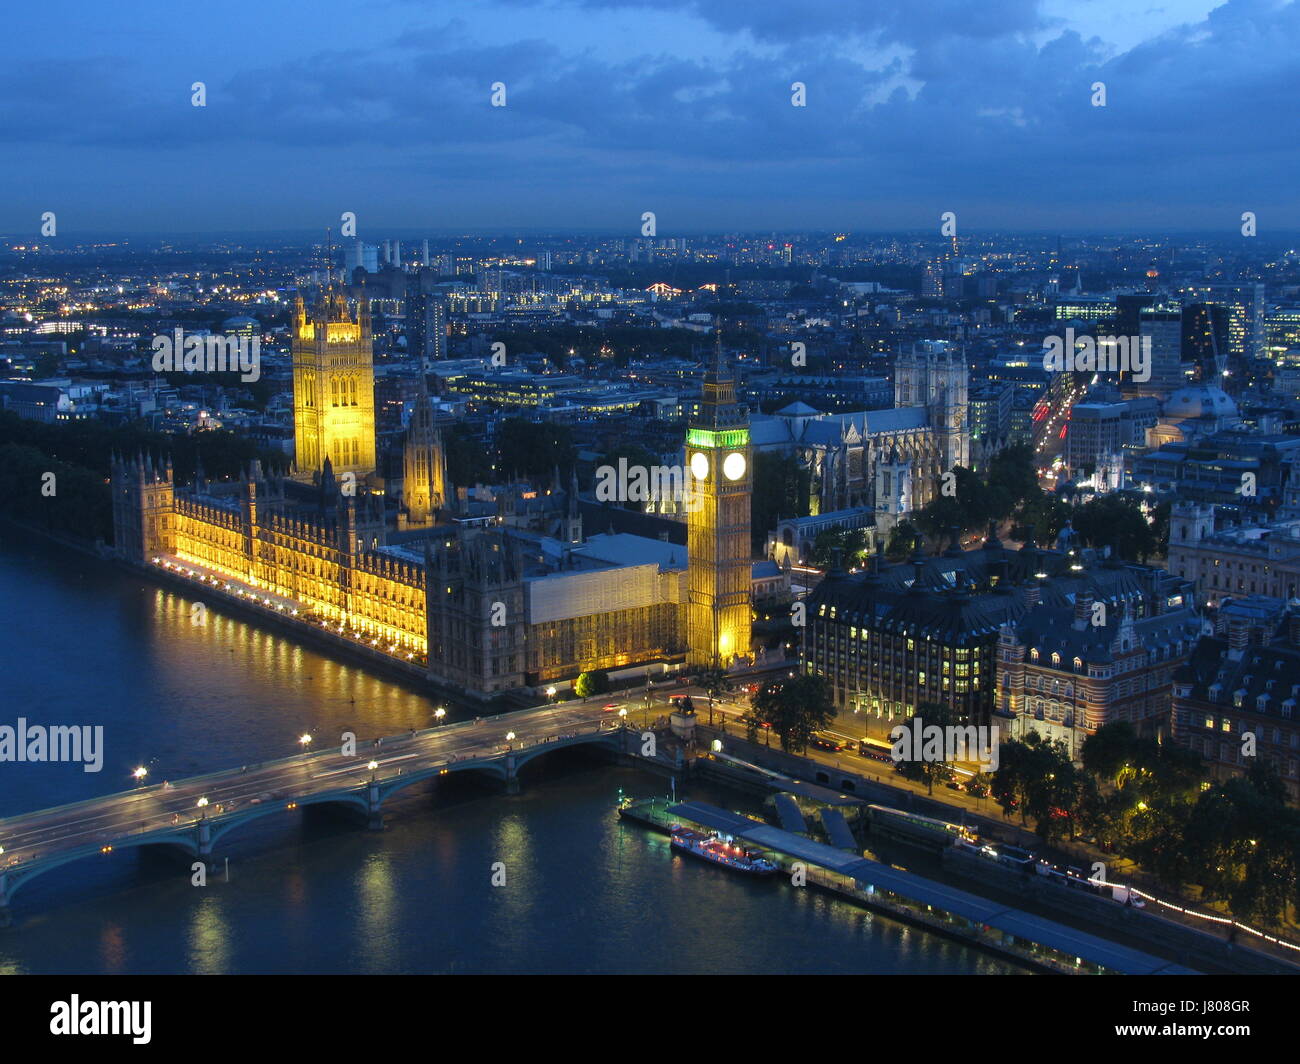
(333,386)
(718,522)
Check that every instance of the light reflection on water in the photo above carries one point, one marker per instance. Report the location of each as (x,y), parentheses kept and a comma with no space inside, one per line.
(88,643)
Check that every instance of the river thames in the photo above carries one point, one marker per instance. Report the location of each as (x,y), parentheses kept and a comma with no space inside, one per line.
(87,643)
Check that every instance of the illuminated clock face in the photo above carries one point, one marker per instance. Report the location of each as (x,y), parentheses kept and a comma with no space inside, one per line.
(733,466)
(700,465)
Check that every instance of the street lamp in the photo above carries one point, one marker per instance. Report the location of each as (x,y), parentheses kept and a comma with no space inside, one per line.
(510,737)
(622,715)
(372,766)
(304,741)
(140,774)
(439,713)
(550,693)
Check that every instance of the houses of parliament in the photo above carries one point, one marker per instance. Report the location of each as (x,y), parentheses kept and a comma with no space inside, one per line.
(478,602)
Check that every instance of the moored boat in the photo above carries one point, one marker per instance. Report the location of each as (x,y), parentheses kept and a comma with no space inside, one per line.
(721,850)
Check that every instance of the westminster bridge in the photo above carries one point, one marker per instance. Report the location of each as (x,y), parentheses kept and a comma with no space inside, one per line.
(194,814)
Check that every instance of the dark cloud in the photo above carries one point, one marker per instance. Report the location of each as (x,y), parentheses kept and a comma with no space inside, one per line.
(973,114)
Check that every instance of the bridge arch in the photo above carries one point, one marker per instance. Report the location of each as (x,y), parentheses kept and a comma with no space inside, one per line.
(16,878)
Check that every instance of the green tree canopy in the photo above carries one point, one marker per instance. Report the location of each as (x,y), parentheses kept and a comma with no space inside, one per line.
(1117,522)
(781,487)
(852,544)
(795,708)
(595,682)
(966,509)
(902,541)
(533,449)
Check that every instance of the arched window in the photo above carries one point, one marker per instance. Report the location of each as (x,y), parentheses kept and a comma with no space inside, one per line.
(334,391)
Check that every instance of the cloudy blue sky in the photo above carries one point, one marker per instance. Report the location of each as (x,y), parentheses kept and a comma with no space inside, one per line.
(682,107)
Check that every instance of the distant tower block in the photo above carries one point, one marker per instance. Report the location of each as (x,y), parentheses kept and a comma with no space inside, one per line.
(333,386)
(718,523)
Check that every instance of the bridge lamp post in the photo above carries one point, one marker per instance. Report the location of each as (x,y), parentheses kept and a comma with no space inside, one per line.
(510,737)
(304,741)
(373,767)
(550,693)
(203,804)
(622,716)
(439,713)
(139,774)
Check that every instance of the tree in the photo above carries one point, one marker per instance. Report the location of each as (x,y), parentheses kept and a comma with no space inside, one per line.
(964,510)
(918,767)
(902,541)
(713,682)
(467,459)
(1040,519)
(534,449)
(1110,751)
(850,542)
(595,682)
(1117,522)
(795,708)
(634,455)
(1160,527)
(781,487)
(1036,778)
(1012,478)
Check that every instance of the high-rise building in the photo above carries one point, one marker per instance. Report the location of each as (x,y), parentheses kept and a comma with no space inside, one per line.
(1205,339)
(1245,304)
(333,385)
(718,523)
(426,321)
(932,280)
(1161,326)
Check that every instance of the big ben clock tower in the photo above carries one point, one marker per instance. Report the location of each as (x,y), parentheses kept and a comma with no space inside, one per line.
(718,542)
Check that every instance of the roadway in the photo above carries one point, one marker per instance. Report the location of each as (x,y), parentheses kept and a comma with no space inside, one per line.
(145,809)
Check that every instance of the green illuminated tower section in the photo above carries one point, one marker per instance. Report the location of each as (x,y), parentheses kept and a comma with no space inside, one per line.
(718,544)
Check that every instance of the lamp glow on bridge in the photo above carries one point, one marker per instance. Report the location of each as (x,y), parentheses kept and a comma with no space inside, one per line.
(304,740)
(140,773)
(510,737)
(373,765)
(439,713)
(202,803)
